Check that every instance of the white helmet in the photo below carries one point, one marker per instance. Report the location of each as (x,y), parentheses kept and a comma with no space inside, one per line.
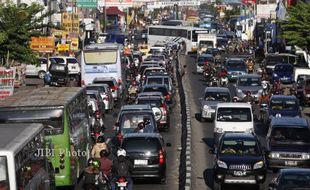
(121,152)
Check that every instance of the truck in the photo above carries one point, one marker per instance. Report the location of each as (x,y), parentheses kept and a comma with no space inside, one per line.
(205,41)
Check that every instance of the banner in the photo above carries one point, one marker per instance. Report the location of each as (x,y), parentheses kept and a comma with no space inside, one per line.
(86,3)
(63,47)
(116,3)
(70,22)
(7,77)
(74,46)
(43,44)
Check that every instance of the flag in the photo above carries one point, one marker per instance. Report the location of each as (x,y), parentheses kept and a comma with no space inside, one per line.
(281,10)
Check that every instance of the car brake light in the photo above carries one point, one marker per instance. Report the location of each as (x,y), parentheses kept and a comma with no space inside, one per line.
(168,97)
(114,88)
(121,180)
(206,62)
(161,157)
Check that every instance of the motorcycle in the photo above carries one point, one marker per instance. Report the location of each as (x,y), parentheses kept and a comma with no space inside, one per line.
(214,82)
(121,183)
(263,112)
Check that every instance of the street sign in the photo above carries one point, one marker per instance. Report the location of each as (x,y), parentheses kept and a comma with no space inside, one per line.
(7,77)
(43,44)
(86,3)
(70,22)
(63,47)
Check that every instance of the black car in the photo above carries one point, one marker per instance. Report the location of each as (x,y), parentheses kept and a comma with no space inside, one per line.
(239,160)
(288,143)
(159,88)
(59,74)
(297,178)
(147,153)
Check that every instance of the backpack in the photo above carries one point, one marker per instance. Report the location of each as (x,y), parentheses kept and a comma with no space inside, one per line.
(122,169)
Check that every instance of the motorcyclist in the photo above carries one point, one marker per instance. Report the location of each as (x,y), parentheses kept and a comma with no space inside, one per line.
(106,163)
(99,146)
(122,167)
(248,98)
(222,72)
(263,99)
(90,174)
(277,87)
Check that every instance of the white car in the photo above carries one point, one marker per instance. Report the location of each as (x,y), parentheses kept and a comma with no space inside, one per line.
(73,65)
(37,70)
(115,87)
(105,94)
(233,117)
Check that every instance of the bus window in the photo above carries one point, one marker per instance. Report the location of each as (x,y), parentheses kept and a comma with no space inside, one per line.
(4,178)
(96,58)
(194,36)
(189,35)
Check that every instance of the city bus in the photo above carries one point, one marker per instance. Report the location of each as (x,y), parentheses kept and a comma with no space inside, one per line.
(102,60)
(64,114)
(159,33)
(21,166)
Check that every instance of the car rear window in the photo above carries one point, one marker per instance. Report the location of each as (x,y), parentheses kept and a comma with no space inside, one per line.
(93,96)
(137,144)
(57,60)
(99,88)
(163,90)
(153,103)
(110,83)
(154,81)
(72,60)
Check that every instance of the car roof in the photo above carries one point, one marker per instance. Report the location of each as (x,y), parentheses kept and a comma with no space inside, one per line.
(155,85)
(92,92)
(236,135)
(98,84)
(149,98)
(157,74)
(283,97)
(295,171)
(289,121)
(63,57)
(151,68)
(205,55)
(249,76)
(151,135)
(216,89)
(150,94)
(136,107)
(234,105)
(104,79)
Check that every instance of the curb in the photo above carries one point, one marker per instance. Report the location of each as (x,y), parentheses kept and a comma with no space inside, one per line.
(188,145)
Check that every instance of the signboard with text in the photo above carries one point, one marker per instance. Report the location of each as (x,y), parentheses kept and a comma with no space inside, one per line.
(7,77)
(70,22)
(43,44)
(116,3)
(86,3)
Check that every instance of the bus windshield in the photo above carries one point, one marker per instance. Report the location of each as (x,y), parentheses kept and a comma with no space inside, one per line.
(100,57)
(52,119)
(4,178)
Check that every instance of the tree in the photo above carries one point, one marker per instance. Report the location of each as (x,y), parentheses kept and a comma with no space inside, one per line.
(296,29)
(18,23)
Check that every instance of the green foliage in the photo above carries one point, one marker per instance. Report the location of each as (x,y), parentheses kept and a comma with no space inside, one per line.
(18,23)
(208,7)
(231,13)
(296,29)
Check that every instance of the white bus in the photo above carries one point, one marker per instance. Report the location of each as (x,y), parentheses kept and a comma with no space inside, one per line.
(176,34)
(21,164)
(102,60)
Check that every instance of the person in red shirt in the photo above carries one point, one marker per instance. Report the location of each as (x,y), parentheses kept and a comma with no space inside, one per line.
(106,163)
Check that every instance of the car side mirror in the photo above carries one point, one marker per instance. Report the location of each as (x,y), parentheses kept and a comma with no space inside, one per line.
(212,151)
(168,144)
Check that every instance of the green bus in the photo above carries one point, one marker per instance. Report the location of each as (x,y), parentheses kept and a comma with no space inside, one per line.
(64,114)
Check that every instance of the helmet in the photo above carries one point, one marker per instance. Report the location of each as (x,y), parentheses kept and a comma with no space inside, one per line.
(248,93)
(121,152)
(104,153)
(101,139)
(146,120)
(93,162)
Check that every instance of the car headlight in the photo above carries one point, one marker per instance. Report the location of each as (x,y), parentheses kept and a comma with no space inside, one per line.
(306,156)
(205,107)
(275,75)
(258,165)
(249,130)
(218,130)
(308,95)
(221,164)
(239,91)
(274,155)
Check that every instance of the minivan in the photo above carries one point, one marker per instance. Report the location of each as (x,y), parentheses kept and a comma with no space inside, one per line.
(233,117)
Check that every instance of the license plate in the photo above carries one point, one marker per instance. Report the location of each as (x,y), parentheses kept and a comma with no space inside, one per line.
(291,163)
(239,173)
(121,184)
(140,162)
(73,67)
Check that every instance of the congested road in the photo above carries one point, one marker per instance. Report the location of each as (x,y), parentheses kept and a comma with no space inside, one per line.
(202,132)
